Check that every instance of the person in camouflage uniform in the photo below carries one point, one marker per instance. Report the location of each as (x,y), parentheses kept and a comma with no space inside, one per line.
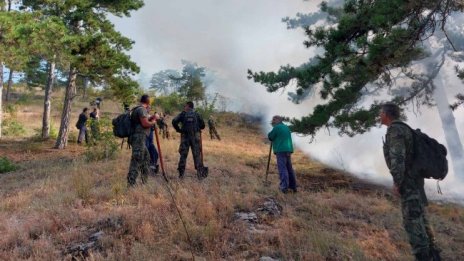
(140,159)
(212,128)
(94,125)
(190,130)
(398,152)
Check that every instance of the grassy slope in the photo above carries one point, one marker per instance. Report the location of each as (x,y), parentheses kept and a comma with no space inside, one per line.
(57,200)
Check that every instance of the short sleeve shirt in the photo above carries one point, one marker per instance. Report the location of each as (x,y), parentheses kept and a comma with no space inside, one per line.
(140,112)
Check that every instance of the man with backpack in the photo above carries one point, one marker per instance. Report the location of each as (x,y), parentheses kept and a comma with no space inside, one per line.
(141,124)
(408,182)
(190,130)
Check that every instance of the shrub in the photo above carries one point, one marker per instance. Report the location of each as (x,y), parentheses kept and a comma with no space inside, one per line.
(170,103)
(25,99)
(6,165)
(11,109)
(103,145)
(13,128)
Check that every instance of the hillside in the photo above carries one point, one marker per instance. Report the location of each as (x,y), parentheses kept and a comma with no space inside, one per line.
(60,206)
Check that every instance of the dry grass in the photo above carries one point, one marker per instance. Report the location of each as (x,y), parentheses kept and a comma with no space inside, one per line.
(57,199)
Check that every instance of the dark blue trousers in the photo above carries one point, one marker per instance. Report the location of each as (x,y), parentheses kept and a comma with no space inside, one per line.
(151,148)
(286,173)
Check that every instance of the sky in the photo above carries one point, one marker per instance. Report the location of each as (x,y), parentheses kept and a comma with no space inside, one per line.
(231,36)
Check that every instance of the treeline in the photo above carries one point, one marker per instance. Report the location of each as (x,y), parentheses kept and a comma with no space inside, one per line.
(174,87)
(66,42)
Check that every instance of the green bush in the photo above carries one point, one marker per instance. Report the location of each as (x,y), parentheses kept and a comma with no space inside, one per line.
(25,98)
(171,103)
(103,145)
(13,128)
(6,165)
(11,109)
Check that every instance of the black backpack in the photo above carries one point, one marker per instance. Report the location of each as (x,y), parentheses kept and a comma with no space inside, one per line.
(122,125)
(190,122)
(429,156)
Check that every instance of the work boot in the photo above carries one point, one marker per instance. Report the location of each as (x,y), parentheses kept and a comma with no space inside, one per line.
(181,174)
(423,256)
(435,253)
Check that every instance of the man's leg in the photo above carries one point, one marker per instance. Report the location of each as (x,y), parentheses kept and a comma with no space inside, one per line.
(216,134)
(434,249)
(291,173)
(414,224)
(196,151)
(183,151)
(138,157)
(145,164)
(80,137)
(86,134)
(283,173)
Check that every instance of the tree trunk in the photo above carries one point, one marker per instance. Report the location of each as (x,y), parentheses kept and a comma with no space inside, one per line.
(62,140)
(86,85)
(1,97)
(450,130)
(10,83)
(47,101)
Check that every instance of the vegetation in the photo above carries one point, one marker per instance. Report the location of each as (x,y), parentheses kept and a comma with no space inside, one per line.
(58,200)
(362,43)
(6,165)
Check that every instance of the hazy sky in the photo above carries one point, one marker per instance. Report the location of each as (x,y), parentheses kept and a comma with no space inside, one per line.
(227,37)
(231,36)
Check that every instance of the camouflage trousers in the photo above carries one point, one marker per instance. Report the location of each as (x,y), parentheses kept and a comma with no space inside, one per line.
(140,159)
(95,131)
(417,226)
(213,133)
(187,142)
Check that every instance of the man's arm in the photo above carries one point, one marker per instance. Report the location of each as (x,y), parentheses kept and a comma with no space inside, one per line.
(176,121)
(147,123)
(272,134)
(201,122)
(397,153)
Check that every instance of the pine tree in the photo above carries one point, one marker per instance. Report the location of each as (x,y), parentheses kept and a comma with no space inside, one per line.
(96,49)
(363,42)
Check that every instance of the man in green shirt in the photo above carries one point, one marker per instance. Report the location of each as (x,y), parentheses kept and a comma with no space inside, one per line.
(282,145)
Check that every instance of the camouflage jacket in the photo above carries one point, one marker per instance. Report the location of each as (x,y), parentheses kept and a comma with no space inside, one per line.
(398,151)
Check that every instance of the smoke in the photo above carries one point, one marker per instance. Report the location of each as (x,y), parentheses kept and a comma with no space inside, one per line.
(230,37)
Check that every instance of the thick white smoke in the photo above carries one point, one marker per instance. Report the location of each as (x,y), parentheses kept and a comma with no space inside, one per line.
(230,37)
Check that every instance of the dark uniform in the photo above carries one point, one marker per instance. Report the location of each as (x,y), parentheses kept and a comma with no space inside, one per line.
(212,129)
(94,126)
(82,126)
(398,152)
(191,125)
(140,159)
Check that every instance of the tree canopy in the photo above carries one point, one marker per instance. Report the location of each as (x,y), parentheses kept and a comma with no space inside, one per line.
(360,44)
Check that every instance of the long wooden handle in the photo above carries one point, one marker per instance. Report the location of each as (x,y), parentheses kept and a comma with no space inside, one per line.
(160,155)
(268,161)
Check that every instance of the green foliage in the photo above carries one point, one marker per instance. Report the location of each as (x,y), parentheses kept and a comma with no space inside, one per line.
(26,98)
(370,39)
(6,165)
(171,103)
(208,107)
(12,128)
(164,82)
(11,109)
(103,145)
